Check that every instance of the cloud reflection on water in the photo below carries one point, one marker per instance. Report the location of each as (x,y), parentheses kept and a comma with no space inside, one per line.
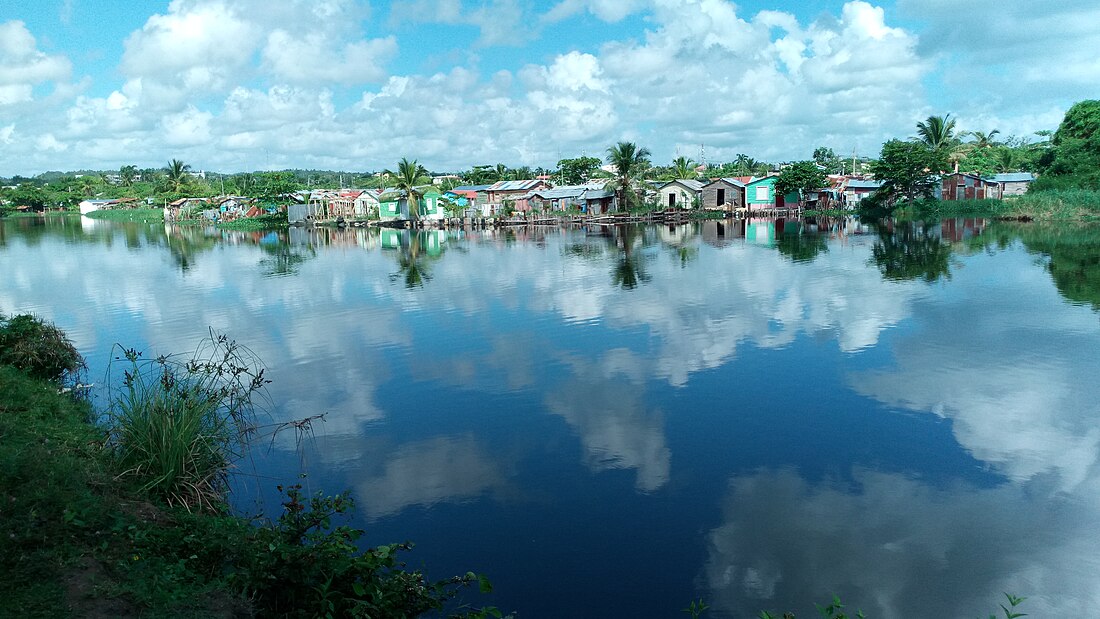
(897,547)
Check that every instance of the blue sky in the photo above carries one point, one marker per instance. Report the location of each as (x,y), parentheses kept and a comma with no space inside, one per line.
(355,85)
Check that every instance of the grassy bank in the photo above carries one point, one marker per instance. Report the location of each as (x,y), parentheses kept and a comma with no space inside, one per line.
(148,215)
(22,215)
(128,516)
(262,222)
(1048,205)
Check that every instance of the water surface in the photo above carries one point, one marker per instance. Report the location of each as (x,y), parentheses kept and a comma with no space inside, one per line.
(616,421)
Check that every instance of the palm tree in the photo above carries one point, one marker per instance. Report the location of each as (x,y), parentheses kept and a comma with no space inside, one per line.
(938,132)
(982,139)
(744,164)
(409,176)
(177,174)
(629,161)
(127,174)
(683,167)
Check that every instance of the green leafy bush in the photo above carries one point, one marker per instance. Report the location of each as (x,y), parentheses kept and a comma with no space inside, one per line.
(38,348)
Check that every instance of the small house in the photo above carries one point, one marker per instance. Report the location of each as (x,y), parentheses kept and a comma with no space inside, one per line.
(1011,184)
(724,193)
(965,186)
(587,198)
(343,204)
(393,204)
(854,190)
(513,191)
(680,193)
(760,194)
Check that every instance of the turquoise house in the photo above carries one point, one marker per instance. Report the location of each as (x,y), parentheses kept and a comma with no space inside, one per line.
(394,204)
(760,194)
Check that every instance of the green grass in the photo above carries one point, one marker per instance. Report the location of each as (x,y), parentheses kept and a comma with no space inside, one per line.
(129,214)
(48,505)
(262,222)
(1057,204)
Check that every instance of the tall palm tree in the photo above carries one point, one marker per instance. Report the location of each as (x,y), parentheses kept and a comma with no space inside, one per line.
(177,174)
(408,178)
(744,164)
(630,161)
(938,132)
(683,167)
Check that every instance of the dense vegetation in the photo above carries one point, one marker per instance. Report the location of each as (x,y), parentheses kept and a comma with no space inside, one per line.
(1068,164)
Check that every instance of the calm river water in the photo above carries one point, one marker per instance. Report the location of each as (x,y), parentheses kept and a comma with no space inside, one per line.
(615,421)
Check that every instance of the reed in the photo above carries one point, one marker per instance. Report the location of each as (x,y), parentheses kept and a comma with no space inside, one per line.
(179,425)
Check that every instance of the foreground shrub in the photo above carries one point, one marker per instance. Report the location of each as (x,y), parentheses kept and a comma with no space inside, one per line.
(177,426)
(38,348)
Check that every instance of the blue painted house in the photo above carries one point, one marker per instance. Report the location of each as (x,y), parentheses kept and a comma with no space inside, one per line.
(760,194)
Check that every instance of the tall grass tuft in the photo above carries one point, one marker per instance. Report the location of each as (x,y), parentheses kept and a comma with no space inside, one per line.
(179,425)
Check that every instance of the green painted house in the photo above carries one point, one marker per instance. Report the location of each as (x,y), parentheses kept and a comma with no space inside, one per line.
(760,194)
(394,204)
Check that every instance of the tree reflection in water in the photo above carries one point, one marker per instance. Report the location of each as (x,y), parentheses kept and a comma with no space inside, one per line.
(909,250)
(413,262)
(630,268)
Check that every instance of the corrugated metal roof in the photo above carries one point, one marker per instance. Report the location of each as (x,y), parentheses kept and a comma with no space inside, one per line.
(1013,177)
(690,183)
(856,183)
(523,185)
(558,192)
(597,194)
(471,187)
(728,179)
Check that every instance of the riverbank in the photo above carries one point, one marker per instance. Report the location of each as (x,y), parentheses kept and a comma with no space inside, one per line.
(89,533)
(1050,205)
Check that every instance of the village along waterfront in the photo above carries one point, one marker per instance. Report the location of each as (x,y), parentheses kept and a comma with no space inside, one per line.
(613,421)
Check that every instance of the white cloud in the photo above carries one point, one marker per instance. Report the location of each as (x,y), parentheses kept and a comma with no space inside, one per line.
(314,58)
(606,10)
(23,66)
(48,142)
(201,46)
(500,22)
(188,128)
